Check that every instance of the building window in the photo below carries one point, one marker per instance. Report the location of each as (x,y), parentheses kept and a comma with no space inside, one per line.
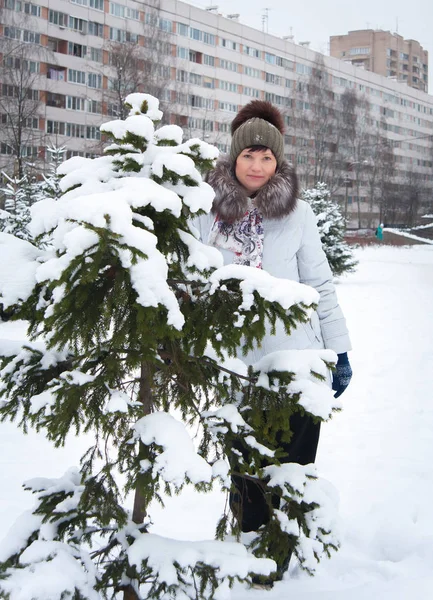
(113,110)
(77,24)
(270,58)
(5,148)
(119,10)
(77,49)
(182,76)
(228,106)
(75,103)
(97,4)
(29,151)
(208,60)
(56,127)
(195,79)
(182,29)
(56,100)
(229,44)
(274,79)
(94,80)
(354,51)
(251,51)
(303,69)
(253,72)
(95,54)
(208,82)
(93,133)
(209,38)
(196,34)
(15,5)
(30,37)
(96,29)
(75,130)
(32,9)
(195,101)
(229,65)
(94,107)
(56,73)
(75,76)
(248,91)
(228,86)
(58,18)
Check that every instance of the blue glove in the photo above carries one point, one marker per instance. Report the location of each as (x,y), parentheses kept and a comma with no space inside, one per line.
(342,374)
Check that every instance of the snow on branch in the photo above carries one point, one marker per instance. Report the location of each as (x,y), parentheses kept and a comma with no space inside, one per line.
(178,458)
(19,262)
(229,559)
(284,292)
(310,370)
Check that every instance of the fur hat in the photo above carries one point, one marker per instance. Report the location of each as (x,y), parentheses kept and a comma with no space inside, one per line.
(259,123)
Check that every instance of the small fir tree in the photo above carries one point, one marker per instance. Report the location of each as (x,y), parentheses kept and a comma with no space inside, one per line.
(49,187)
(131,318)
(332,228)
(16,216)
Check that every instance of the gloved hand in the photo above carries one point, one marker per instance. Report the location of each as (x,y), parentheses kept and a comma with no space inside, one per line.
(342,374)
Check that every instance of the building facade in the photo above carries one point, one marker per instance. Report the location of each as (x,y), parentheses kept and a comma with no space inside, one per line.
(384,53)
(80,56)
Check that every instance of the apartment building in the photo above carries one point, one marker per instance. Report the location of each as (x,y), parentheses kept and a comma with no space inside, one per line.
(207,65)
(385,53)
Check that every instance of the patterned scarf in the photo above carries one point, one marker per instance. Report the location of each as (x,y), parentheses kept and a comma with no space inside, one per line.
(243,237)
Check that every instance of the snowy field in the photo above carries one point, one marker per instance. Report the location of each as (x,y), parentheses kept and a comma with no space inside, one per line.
(378,452)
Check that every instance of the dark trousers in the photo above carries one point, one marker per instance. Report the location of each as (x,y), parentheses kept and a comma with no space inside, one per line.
(248,501)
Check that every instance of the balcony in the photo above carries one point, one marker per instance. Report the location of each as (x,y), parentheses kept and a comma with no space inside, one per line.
(57,45)
(56,100)
(56,73)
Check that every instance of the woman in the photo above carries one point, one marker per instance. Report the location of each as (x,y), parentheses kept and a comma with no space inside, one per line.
(257,220)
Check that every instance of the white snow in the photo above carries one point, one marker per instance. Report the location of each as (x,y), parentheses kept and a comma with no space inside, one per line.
(230,558)
(17,276)
(271,288)
(169,132)
(139,125)
(201,256)
(377,453)
(178,458)
(409,235)
(178,163)
(136,101)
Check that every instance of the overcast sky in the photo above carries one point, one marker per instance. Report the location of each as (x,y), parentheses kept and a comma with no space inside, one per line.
(317,20)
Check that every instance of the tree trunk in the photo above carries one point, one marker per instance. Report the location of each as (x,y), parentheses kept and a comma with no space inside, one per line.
(139,511)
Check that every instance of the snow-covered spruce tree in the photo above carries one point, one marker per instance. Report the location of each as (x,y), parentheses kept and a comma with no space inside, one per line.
(132,320)
(332,227)
(16,216)
(49,187)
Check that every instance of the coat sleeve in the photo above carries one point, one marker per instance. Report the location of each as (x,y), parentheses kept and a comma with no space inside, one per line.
(314,270)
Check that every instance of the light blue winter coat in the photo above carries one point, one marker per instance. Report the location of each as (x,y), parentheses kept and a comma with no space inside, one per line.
(292,249)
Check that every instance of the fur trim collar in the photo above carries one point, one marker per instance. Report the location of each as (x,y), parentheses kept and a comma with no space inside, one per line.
(274,200)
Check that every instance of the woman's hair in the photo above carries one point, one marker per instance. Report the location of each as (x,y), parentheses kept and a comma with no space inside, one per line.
(257,148)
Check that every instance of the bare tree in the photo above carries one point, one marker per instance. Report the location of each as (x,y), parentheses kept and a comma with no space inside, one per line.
(316,126)
(380,170)
(356,142)
(20,102)
(139,63)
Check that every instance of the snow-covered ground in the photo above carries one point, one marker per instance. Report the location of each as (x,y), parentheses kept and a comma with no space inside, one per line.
(378,452)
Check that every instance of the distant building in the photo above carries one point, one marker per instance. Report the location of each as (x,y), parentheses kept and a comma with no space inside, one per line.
(210,65)
(384,53)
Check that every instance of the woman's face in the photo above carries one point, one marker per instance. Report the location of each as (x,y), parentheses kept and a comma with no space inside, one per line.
(254,169)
